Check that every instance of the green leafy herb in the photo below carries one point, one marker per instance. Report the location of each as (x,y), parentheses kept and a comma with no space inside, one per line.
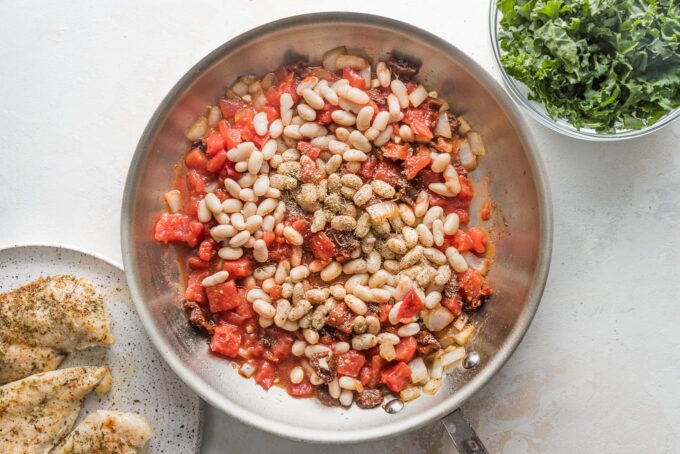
(601,64)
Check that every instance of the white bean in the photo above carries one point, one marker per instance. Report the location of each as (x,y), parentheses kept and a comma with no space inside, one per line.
(264,309)
(410,329)
(299,273)
(383,74)
(230,253)
(213,203)
(438,232)
(344,118)
(399,89)
(204,214)
(356,305)
(451,224)
(232,206)
(292,236)
(260,251)
(222,232)
(352,155)
(275,129)
(432,214)
(363,119)
(456,260)
(313,99)
(331,271)
(440,163)
(297,374)
(260,123)
(239,239)
(432,299)
(215,279)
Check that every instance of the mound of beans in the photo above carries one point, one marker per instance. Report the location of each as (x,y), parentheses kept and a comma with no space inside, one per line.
(323,218)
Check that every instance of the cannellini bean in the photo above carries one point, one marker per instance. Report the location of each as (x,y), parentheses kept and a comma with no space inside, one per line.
(387,351)
(260,123)
(432,214)
(298,348)
(383,74)
(222,232)
(330,95)
(422,204)
(399,89)
(318,221)
(313,99)
(364,341)
(261,185)
(355,95)
(379,278)
(299,273)
(311,350)
(337,147)
(253,223)
(341,347)
(292,236)
(363,119)
(359,141)
(260,251)
(406,133)
(438,232)
(311,129)
(286,103)
(383,137)
(383,189)
(266,206)
(204,214)
(275,129)
(410,329)
(441,162)
(393,316)
(331,271)
(393,107)
(354,266)
(381,120)
(297,374)
(356,305)
(432,299)
(241,152)
(311,336)
(424,235)
(241,166)
(333,164)
(292,131)
(363,292)
(346,397)
(380,295)
(264,309)
(213,203)
(238,221)
(456,260)
(352,155)
(451,224)
(247,195)
(239,239)
(215,279)
(373,262)
(344,118)
(232,206)
(350,383)
(230,253)
(435,256)
(441,189)
(264,272)
(296,256)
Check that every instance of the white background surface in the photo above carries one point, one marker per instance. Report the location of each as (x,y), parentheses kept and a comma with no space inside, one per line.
(599,369)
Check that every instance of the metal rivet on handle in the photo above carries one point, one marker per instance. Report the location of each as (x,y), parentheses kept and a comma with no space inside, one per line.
(471,360)
(394,406)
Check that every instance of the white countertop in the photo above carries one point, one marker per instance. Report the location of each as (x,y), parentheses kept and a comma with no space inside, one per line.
(598,370)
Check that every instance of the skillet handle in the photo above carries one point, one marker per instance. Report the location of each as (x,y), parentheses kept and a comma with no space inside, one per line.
(462,434)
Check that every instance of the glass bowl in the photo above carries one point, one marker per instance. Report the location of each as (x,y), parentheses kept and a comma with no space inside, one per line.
(520,93)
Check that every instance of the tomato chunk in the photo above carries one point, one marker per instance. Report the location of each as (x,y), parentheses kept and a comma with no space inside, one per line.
(302,389)
(238,268)
(308,149)
(226,340)
(265,374)
(394,151)
(485,214)
(350,363)
(471,283)
(321,246)
(217,162)
(229,107)
(387,172)
(195,291)
(196,159)
(453,304)
(355,79)
(410,306)
(414,163)
(340,317)
(214,143)
(178,228)
(396,377)
(223,297)
(370,373)
(406,349)
(478,240)
(279,251)
(420,120)
(206,249)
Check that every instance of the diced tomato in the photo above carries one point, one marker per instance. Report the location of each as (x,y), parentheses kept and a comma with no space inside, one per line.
(217,162)
(453,304)
(229,171)
(384,312)
(462,241)
(395,151)
(308,149)
(340,317)
(370,373)
(283,346)
(410,306)
(478,240)
(302,225)
(355,79)
(226,340)
(279,251)
(388,172)
(419,120)
(276,291)
(321,246)
(265,374)
(242,267)
(260,140)
(426,177)
(323,116)
(414,163)
(310,173)
(368,168)
(406,349)
(350,363)
(196,159)
(243,120)
(195,291)
(240,314)
(214,143)
(272,113)
(396,377)
(229,107)
(178,228)
(470,282)
(268,238)
(223,297)
(196,181)
(485,214)
(206,249)
(231,136)
(287,85)
(197,264)
(302,389)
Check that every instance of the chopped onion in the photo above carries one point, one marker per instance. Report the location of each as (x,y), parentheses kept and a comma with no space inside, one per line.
(214,116)
(240,88)
(409,394)
(463,337)
(467,158)
(328,58)
(432,386)
(418,371)
(460,322)
(476,144)
(436,370)
(366,74)
(452,355)
(438,318)
(350,61)
(418,95)
(443,127)
(174,200)
(382,211)
(197,129)
(447,337)
(464,127)
(479,264)
(247,370)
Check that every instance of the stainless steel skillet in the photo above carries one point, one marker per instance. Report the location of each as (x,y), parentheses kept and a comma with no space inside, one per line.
(516,184)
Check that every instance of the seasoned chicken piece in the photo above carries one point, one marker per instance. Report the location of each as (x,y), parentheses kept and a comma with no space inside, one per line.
(38,411)
(107,432)
(51,316)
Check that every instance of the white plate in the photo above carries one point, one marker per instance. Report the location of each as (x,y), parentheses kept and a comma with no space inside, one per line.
(142,383)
